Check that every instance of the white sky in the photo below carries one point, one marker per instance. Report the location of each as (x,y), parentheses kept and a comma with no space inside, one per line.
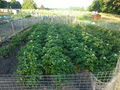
(61,3)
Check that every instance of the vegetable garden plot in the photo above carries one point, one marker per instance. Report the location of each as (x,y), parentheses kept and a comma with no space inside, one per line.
(63,49)
(75,47)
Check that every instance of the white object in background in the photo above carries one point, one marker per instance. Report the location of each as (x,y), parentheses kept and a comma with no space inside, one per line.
(93,22)
(95,12)
(15,11)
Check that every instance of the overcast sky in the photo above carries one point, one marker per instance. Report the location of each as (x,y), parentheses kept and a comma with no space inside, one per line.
(61,3)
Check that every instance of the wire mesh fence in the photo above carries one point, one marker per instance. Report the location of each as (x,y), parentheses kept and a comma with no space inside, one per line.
(17,25)
(12,27)
(82,81)
(102,24)
(46,82)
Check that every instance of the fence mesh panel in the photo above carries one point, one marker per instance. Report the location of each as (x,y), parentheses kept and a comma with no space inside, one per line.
(82,81)
(12,27)
(46,82)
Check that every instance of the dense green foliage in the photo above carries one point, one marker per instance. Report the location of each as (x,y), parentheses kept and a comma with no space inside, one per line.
(109,6)
(3,4)
(13,4)
(14,43)
(65,49)
(29,4)
(22,15)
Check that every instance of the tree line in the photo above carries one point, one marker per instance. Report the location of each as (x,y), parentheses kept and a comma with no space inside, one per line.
(13,4)
(108,6)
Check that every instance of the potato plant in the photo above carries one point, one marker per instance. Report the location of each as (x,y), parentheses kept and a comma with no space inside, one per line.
(66,49)
(14,43)
(79,45)
(54,60)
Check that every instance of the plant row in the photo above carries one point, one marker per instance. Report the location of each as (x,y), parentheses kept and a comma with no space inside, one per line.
(55,49)
(64,49)
(15,42)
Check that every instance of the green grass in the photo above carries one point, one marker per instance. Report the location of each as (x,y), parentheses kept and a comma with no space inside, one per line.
(23,15)
(110,21)
(3,22)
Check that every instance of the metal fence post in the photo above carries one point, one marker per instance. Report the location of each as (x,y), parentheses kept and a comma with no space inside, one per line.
(21,25)
(97,24)
(13,29)
(106,25)
(75,19)
(80,23)
(92,82)
(0,38)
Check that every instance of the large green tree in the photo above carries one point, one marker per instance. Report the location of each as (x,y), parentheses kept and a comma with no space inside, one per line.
(109,6)
(112,6)
(12,1)
(15,4)
(3,4)
(29,4)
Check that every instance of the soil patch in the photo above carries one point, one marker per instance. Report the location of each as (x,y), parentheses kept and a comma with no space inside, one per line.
(8,65)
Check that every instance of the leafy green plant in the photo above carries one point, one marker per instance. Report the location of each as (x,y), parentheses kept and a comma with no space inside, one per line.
(28,59)
(64,49)
(14,43)
(5,50)
(22,15)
